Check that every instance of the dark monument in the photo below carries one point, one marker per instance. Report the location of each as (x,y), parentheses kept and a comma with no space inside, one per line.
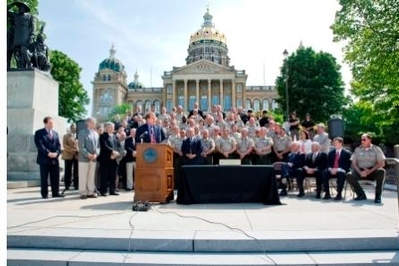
(21,44)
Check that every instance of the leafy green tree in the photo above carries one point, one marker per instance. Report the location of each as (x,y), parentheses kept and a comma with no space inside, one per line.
(315,85)
(370,31)
(121,110)
(72,96)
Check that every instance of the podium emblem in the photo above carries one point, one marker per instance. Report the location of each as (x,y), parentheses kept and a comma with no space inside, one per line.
(150,155)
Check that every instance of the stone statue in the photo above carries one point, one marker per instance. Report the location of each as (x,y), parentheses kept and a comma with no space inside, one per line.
(40,56)
(21,34)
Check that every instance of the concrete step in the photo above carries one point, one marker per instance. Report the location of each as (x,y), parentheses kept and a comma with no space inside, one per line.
(22,183)
(204,241)
(51,257)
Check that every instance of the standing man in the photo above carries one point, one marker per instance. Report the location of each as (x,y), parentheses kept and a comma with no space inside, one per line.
(244,147)
(338,163)
(150,132)
(208,147)
(70,157)
(88,141)
(191,149)
(130,148)
(49,148)
(322,138)
(368,161)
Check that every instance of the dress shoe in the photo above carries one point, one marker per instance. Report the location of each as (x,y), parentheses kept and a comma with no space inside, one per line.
(58,196)
(338,197)
(83,196)
(327,196)
(300,194)
(92,196)
(361,197)
(318,196)
(283,192)
(44,197)
(114,193)
(103,194)
(377,200)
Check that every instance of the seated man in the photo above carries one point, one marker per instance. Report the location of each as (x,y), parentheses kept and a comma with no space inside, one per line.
(315,164)
(338,163)
(293,168)
(368,161)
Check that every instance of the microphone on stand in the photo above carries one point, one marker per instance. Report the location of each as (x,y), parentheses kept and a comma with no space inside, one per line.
(142,136)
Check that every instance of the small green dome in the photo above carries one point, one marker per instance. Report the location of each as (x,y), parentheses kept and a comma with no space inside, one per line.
(135,84)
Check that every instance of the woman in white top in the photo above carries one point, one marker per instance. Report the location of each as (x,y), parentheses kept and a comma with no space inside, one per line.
(306,143)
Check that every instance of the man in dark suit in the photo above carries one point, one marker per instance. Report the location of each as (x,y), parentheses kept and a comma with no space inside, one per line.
(150,132)
(191,149)
(293,168)
(338,164)
(315,164)
(130,147)
(49,148)
(109,152)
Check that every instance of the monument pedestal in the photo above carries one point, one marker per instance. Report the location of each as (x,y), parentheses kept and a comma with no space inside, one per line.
(31,96)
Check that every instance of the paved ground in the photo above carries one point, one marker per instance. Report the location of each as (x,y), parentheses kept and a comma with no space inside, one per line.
(305,223)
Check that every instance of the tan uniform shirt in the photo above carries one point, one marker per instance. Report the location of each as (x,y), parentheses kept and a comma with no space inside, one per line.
(367,158)
(243,144)
(282,143)
(262,143)
(226,144)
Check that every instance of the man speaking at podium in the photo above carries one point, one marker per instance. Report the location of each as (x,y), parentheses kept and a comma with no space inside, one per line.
(150,132)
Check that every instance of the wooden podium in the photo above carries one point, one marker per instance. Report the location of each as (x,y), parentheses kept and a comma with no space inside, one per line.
(153,176)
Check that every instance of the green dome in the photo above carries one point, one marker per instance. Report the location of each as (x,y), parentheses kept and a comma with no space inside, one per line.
(112,63)
(135,84)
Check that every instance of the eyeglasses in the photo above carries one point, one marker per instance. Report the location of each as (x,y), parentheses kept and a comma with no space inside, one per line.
(364,139)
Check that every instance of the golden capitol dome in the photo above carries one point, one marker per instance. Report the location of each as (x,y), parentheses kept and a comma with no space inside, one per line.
(208,32)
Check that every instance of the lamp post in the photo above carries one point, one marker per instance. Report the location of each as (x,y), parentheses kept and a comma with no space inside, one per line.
(285,53)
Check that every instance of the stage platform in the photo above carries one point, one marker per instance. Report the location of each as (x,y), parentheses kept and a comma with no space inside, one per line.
(105,231)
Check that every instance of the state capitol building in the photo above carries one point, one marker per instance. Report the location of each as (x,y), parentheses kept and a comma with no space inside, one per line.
(207,78)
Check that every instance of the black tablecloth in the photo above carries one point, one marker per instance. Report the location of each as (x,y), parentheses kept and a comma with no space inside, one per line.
(227,184)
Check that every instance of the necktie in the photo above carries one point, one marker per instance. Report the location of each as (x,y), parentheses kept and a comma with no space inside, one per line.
(152,135)
(336,160)
(314,157)
(50,134)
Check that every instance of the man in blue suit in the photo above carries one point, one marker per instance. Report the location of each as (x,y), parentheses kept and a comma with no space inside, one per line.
(150,132)
(293,168)
(338,164)
(48,147)
(191,149)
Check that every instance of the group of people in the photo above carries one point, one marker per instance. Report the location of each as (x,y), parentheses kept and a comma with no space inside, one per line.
(107,153)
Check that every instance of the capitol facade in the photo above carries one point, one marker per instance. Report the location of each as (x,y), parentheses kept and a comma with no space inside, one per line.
(207,78)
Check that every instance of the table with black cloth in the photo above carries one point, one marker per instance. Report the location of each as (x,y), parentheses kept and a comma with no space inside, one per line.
(227,184)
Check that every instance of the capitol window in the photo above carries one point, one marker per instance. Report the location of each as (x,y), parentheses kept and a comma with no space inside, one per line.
(265,104)
(256,105)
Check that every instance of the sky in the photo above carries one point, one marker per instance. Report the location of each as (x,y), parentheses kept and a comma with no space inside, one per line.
(152,36)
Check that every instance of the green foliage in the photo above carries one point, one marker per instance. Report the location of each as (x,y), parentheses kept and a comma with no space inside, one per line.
(72,96)
(315,85)
(370,31)
(121,110)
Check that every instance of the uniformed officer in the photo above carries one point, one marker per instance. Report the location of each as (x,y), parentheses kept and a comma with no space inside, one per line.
(282,144)
(215,135)
(368,161)
(175,141)
(263,148)
(226,146)
(244,147)
(208,147)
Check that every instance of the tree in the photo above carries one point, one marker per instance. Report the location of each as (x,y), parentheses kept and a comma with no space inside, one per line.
(121,110)
(370,30)
(315,84)
(72,96)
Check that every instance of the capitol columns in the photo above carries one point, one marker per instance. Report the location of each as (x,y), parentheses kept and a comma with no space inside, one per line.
(233,94)
(174,92)
(185,95)
(197,90)
(209,95)
(221,91)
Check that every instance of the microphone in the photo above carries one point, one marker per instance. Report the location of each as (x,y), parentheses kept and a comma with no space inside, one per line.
(142,135)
